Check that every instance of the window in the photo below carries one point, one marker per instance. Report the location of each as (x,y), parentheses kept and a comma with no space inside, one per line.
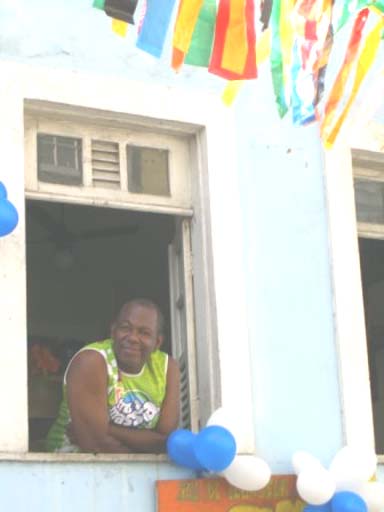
(148,170)
(208,205)
(368,167)
(108,217)
(59,159)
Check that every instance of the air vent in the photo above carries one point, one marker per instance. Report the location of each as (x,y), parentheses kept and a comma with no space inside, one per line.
(105,164)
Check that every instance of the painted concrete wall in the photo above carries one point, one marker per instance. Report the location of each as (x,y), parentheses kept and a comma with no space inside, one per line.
(286,262)
(96,487)
(290,301)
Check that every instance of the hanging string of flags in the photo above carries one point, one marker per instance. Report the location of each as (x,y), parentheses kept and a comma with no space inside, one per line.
(296,35)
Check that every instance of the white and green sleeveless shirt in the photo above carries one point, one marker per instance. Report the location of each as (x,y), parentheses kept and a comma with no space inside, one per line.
(134,400)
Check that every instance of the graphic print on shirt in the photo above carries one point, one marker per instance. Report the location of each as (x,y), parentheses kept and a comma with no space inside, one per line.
(135,409)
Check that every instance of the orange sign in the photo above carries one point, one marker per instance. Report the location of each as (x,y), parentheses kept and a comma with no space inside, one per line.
(217,495)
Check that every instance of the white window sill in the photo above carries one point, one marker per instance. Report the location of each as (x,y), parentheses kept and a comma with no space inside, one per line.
(83,457)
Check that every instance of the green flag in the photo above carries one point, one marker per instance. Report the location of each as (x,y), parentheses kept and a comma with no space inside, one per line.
(99,4)
(199,53)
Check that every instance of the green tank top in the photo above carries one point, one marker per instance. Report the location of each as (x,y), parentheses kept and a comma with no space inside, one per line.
(134,400)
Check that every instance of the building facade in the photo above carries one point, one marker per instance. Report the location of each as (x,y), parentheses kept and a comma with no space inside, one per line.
(252,248)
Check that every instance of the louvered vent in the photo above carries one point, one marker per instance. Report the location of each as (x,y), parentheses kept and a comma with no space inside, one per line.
(105,164)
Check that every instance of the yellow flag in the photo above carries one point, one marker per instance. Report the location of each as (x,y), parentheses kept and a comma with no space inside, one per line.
(185,23)
(236,45)
(366,59)
(119,27)
(263,51)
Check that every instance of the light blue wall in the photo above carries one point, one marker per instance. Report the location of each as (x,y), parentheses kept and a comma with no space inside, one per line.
(73,35)
(101,487)
(289,283)
(287,265)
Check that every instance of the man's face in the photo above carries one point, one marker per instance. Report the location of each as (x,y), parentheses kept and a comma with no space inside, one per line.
(135,336)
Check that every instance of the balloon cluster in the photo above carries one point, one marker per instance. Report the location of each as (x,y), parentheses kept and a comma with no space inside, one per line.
(346,486)
(8,213)
(214,449)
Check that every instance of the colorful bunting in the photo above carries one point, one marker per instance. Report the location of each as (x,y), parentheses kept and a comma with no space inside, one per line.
(231,91)
(296,35)
(186,20)
(121,9)
(119,27)
(266,10)
(234,51)
(338,88)
(365,61)
(99,4)
(281,44)
(263,51)
(142,16)
(199,52)
(310,53)
(154,27)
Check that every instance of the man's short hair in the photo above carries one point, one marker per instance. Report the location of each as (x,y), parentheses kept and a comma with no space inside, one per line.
(148,304)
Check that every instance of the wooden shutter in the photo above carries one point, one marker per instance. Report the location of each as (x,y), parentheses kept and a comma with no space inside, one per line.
(182,322)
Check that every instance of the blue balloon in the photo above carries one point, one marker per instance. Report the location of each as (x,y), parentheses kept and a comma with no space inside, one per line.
(3,191)
(215,448)
(326,507)
(8,217)
(347,501)
(180,449)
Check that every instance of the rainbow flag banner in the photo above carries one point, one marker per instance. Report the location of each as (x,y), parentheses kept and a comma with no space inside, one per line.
(232,38)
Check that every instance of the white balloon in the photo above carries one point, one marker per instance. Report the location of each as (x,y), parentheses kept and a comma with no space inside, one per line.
(224,418)
(302,461)
(315,486)
(373,495)
(247,472)
(351,466)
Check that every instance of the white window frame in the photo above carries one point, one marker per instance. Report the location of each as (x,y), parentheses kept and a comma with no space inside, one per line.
(349,322)
(210,125)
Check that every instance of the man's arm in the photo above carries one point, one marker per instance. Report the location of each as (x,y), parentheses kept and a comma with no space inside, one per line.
(154,441)
(87,401)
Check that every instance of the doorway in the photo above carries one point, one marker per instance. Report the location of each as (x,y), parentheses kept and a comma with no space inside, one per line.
(83,263)
(372,275)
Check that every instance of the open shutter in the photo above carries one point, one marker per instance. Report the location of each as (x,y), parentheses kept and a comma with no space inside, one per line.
(182,321)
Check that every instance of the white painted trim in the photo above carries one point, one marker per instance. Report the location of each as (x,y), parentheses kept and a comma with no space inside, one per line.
(107,203)
(370,230)
(187,111)
(348,300)
(83,457)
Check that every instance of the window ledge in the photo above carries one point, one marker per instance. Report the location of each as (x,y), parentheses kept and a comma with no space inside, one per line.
(83,457)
